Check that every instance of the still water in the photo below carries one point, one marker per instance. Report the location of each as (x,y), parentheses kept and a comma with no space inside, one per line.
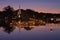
(42,32)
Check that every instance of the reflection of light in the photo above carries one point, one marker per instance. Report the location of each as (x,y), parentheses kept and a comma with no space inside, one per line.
(11,25)
(52,19)
(42,22)
(19,16)
(1,27)
(58,19)
(19,22)
(51,29)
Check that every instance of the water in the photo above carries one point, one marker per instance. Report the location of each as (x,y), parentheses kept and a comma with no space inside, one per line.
(42,32)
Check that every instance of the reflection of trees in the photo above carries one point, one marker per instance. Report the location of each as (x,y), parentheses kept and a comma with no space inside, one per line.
(33,18)
(7,27)
(28,28)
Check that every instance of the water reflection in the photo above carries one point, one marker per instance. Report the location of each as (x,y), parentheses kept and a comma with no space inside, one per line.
(7,28)
(29,30)
(10,25)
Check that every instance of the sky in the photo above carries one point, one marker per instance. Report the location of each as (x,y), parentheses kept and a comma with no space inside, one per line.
(47,6)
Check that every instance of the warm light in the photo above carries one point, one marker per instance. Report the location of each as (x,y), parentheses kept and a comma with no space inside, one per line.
(52,19)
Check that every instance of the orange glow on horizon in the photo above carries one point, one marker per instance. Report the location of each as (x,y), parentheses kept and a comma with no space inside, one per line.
(48,10)
(38,10)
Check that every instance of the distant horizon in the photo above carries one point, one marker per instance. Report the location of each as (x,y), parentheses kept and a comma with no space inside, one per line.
(38,10)
(33,10)
(46,6)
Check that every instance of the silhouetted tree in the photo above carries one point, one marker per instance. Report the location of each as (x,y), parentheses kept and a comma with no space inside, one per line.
(8,12)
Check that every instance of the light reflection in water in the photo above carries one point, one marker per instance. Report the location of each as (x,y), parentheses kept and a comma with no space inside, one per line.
(31,25)
(29,31)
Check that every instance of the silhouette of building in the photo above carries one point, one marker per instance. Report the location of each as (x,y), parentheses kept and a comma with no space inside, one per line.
(19,12)
(19,18)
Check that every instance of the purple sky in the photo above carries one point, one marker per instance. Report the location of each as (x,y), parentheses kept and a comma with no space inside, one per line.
(51,6)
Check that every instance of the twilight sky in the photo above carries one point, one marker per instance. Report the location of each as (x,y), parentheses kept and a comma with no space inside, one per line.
(50,6)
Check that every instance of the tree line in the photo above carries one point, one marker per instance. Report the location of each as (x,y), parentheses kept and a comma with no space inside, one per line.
(10,12)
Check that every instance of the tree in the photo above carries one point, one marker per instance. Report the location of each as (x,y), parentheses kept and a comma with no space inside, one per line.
(8,12)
